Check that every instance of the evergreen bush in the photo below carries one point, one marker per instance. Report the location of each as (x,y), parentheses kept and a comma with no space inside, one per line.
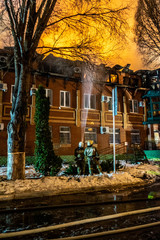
(46,161)
(107,166)
(3,161)
(71,170)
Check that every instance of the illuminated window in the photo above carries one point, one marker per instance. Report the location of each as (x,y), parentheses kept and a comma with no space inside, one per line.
(117,135)
(135,137)
(113,78)
(89,101)
(156,106)
(65,99)
(65,135)
(133,106)
(90,134)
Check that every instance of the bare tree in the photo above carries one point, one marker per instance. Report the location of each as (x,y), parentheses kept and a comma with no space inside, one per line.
(147,30)
(29,22)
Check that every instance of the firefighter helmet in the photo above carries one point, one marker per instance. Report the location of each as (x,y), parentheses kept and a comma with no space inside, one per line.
(89,143)
(80,144)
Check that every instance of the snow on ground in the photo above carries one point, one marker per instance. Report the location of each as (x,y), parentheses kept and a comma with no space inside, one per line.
(37,186)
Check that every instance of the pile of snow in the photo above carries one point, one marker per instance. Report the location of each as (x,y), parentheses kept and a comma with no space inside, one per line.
(30,172)
(45,186)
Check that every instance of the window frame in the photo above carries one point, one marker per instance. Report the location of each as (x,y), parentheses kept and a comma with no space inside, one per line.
(50,96)
(110,107)
(90,133)
(64,100)
(116,133)
(63,132)
(132,106)
(89,104)
(135,132)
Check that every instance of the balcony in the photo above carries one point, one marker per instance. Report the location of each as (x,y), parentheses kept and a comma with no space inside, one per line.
(153,106)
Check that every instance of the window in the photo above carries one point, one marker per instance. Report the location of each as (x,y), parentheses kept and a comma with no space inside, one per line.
(114,78)
(65,135)
(117,135)
(12,90)
(156,106)
(133,106)
(90,134)
(89,101)
(65,99)
(110,103)
(49,93)
(135,137)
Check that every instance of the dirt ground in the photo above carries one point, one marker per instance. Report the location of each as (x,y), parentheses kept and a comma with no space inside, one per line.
(37,186)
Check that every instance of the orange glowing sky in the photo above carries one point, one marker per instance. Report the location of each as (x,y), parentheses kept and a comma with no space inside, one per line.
(129,53)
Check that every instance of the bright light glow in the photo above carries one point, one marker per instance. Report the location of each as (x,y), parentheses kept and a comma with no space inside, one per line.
(61,35)
(115,52)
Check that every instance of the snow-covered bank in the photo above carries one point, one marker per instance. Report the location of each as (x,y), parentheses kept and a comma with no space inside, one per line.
(130,176)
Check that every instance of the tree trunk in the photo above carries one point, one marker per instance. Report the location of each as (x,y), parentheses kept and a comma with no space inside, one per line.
(17,126)
(16,153)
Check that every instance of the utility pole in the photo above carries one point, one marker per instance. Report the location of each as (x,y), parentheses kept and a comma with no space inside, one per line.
(114,113)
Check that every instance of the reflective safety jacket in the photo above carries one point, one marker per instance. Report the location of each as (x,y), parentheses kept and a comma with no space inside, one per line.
(79,153)
(90,151)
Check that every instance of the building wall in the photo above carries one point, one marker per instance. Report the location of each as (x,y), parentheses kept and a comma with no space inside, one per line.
(75,116)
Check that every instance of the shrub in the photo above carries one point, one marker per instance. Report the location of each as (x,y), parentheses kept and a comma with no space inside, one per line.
(46,161)
(107,165)
(3,161)
(71,170)
(30,160)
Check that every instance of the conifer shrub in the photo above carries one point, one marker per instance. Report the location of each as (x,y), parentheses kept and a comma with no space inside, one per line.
(46,161)
(71,170)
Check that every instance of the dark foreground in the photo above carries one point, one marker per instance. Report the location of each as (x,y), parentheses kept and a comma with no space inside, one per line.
(21,215)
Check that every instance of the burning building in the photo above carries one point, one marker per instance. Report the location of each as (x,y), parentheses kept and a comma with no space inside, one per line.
(80,105)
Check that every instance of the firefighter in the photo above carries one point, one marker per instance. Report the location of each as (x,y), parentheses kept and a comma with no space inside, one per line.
(92,157)
(79,158)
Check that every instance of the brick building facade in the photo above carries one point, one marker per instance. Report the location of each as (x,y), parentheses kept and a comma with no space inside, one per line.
(81,108)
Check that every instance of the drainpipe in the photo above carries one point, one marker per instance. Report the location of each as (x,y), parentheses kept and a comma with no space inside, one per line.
(33,106)
(102,113)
